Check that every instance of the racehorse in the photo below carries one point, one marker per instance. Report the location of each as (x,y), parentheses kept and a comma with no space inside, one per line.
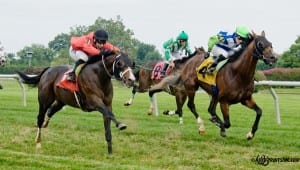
(234,82)
(95,91)
(145,80)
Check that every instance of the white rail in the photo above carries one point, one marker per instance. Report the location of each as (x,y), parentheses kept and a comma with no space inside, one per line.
(275,97)
(16,77)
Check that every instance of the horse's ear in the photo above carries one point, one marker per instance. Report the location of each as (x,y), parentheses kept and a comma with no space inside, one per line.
(263,33)
(253,34)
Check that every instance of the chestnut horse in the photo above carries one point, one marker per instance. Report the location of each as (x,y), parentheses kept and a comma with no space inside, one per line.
(234,82)
(95,91)
(143,77)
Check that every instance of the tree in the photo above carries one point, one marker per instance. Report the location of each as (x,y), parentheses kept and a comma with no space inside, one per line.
(291,58)
(147,52)
(41,56)
(60,41)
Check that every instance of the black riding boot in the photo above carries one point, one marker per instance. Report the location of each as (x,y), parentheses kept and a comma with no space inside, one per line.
(215,63)
(164,70)
(72,75)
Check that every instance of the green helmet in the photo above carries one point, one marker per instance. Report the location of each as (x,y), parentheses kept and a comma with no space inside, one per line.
(183,36)
(242,31)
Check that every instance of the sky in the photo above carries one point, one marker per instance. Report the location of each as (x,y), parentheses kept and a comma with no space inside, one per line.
(26,22)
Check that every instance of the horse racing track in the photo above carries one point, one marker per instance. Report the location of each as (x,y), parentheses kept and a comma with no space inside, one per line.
(75,140)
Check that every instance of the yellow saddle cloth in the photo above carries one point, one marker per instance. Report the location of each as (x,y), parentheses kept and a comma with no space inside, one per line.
(209,78)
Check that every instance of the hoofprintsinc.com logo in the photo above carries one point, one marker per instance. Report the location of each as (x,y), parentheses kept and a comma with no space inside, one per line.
(265,160)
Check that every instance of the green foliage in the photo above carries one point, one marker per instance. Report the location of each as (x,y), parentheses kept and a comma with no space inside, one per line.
(60,41)
(57,51)
(147,52)
(291,58)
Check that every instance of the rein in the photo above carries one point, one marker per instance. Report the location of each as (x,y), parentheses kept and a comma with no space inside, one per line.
(257,53)
(108,73)
(105,68)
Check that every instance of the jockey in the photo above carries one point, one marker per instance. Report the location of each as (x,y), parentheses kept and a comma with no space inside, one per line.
(91,45)
(224,45)
(176,50)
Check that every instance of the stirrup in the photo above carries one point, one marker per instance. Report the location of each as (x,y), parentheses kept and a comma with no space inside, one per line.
(71,77)
(211,70)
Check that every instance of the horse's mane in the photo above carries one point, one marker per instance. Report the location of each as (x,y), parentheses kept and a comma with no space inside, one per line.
(97,58)
(183,60)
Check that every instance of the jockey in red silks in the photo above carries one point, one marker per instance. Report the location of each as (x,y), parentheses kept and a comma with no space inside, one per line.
(93,44)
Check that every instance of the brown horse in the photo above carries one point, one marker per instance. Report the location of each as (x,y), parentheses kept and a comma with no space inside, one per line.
(145,81)
(95,91)
(234,82)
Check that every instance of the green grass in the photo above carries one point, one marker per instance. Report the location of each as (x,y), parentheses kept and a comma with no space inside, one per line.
(75,139)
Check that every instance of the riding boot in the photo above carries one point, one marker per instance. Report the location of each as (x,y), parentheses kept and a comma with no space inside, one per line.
(164,70)
(72,74)
(215,63)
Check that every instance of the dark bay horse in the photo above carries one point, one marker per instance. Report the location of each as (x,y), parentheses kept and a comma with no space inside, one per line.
(145,81)
(234,82)
(95,91)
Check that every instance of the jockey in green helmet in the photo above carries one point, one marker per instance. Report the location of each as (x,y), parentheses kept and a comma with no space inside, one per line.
(224,45)
(176,49)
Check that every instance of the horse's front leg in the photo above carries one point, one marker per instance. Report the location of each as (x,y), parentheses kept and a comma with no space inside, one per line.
(214,117)
(192,107)
(108,116)
(108,136)
(129,102)
(252,105)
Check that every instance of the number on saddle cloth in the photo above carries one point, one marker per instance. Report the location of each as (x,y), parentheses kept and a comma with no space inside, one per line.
(158,68)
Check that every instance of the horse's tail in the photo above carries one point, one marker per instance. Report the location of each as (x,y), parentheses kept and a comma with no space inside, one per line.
(33,80)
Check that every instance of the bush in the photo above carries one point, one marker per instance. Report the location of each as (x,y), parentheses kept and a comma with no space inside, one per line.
(282,74)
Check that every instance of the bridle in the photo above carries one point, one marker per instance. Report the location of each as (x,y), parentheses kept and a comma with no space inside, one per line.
(258,50)
(121,74)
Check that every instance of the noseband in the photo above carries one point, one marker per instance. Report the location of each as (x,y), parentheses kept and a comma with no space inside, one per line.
(122,73)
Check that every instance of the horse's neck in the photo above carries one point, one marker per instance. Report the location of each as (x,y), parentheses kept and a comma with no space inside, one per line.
(245,65)
(185,60)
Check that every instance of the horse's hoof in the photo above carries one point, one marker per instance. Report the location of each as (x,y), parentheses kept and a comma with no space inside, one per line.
(122,126)
(166,112)
(149,113)
(249,135)
(201,132)
(126,104)
(38,145)
(223,133)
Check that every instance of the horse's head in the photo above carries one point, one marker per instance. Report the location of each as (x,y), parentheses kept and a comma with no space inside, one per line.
(263,49)
(2,59)
(123,66)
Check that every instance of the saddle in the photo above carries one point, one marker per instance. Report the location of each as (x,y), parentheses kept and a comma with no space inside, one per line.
(68,85)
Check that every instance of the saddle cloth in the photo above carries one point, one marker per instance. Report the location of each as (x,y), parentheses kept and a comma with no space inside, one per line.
(158,69)
(202,71)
